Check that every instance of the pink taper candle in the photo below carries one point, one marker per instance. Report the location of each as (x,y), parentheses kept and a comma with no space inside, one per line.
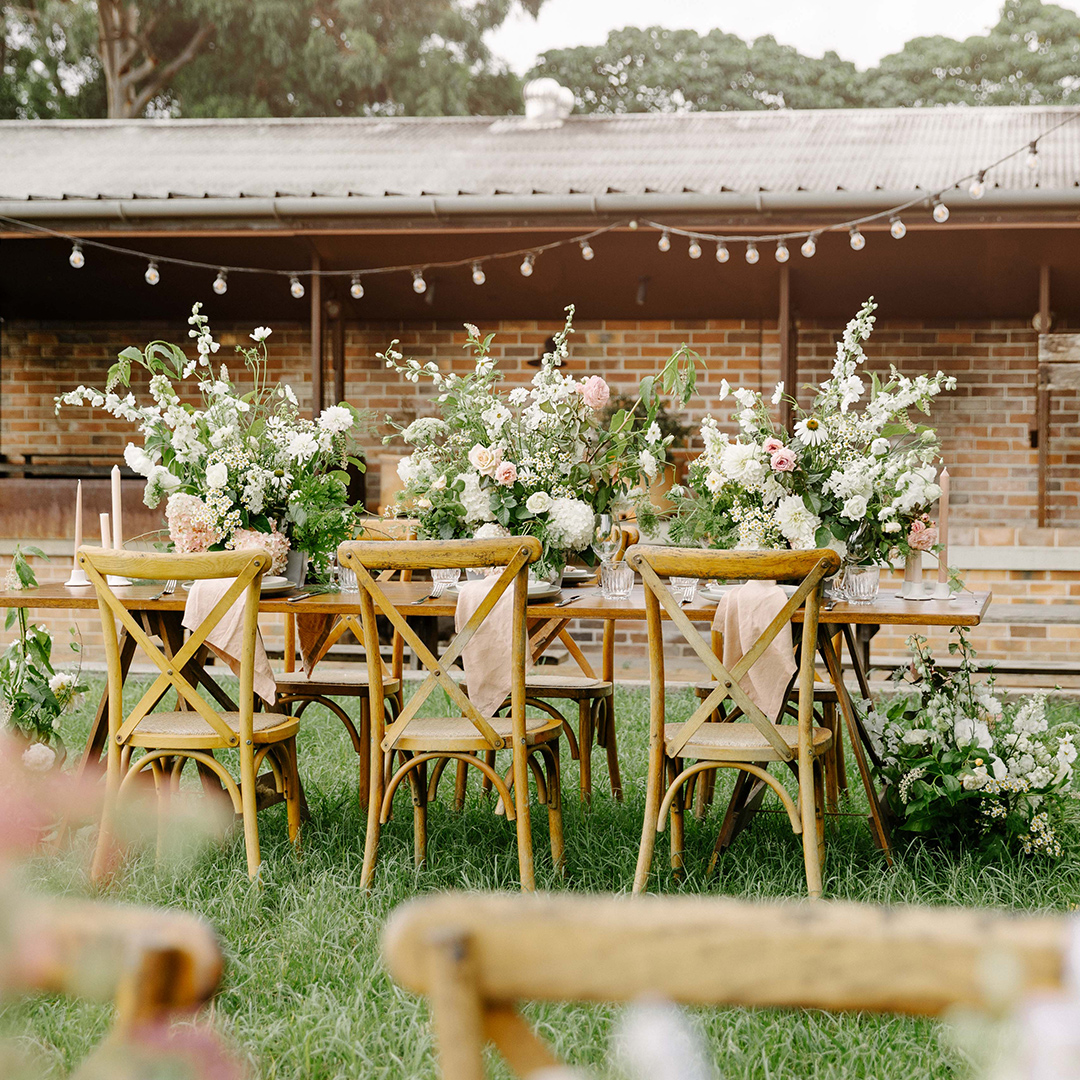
(106,536)
(117,524)
(78,521)
(943,527)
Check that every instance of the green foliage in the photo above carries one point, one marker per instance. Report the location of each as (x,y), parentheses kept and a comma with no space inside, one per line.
(272,58)
(1030,57)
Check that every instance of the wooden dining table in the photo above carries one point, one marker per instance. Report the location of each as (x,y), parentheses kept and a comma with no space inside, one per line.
(549,618)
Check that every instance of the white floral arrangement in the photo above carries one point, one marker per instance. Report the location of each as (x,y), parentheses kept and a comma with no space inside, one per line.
(243,468)
(538,460)
(857,481)
(965,768)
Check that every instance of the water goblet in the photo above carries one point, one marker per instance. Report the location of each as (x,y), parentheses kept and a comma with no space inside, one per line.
(607,537)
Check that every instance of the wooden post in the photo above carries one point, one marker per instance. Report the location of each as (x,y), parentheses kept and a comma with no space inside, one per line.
(1042,404)
(789,348)
(337,349)
(316,337)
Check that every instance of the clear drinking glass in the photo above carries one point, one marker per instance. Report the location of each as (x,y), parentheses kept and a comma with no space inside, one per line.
(446,576)
(607,536)
(684,588)
(344,578)
(616,580)
(861,584)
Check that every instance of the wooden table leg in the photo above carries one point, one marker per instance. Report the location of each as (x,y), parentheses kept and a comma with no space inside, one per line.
(99,729)
(857,735)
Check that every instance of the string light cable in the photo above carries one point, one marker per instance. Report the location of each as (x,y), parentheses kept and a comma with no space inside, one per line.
(806,239)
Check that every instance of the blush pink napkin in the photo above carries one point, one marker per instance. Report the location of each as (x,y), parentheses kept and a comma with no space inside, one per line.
(487,657)
(227,638)
(741,616)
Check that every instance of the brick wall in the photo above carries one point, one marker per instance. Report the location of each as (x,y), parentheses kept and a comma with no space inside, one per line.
(985,424)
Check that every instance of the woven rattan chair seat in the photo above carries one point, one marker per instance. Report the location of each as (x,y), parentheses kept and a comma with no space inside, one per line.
(332,683)
(822,691)
(268,727)
(458,733)
(740,742)
(566,686)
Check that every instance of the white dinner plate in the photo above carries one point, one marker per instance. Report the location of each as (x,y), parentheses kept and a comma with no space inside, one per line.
(716,592)
(576,574)
(538,590)
(272,584)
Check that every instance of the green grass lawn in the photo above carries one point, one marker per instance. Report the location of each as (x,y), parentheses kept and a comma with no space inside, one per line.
(305,993)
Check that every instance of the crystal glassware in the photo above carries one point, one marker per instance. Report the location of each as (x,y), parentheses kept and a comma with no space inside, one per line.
(607,537)
(861,584)
(446,576)
(684,588)
(616,580)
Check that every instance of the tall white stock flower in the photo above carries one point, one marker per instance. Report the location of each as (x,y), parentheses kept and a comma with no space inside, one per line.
(570,524)
(138,460)
(648,464)
(797,524)
(653,435)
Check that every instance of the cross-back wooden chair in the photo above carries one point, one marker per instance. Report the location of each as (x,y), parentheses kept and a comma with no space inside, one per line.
(594,696)
(465,735)
(297,690)
(748,746)
(196,728)
(476,956)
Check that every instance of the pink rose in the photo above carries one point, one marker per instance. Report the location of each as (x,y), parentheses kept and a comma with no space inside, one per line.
(506,473)
(771,445)
(485,459)
(922,537)
(595,392)
(783,460)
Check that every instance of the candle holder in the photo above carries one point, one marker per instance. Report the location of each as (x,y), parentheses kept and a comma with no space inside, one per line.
(78,579)
(913,588)
(114,579)
(943,592)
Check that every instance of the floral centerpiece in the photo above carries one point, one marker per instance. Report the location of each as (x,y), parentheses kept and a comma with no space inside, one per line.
(33,693)
(965,768)
(538,460)
(245,468)
(858,481)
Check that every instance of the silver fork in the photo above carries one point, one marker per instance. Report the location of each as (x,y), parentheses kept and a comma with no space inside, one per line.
(688,594)
(437,589)
(166,590)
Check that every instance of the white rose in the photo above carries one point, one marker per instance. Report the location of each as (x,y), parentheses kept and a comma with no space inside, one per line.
(484,459)
(439,484)
(38,757)
(854,508)
(892,526)
(539,502)
(217,475)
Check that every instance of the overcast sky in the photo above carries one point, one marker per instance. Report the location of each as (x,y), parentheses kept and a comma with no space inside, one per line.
(859,30)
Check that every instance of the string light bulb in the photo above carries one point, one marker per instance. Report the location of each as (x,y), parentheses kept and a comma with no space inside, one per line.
(356,287)
(978,186)
(587,252)
(857,240)
(722,253)
(152,275)
(694,250)
(1032,161)
(77,258)
(752,254)
(809,247)
(782,253)
(419,285)
(664,243)
(897,228)
(296,288)
(527,265)
(941,212)
(221,283)
(478,275)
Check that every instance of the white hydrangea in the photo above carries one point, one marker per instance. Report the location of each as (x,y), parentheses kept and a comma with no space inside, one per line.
(570,524)
(492,530)
(476,501)
(38,757)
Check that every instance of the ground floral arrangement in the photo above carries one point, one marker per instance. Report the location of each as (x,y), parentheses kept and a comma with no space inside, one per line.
(539,460)
(243,470)
(859,482)
(34,691)
(964,767)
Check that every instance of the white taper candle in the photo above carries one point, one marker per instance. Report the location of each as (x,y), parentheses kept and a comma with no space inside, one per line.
(943,527)
(117,523)
(106,535)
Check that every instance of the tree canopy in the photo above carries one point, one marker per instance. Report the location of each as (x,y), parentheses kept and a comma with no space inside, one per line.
(1030,57)
(257,58)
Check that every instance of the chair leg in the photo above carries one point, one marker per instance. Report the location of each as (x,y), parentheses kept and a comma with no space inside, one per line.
(727,827)
(459,785)
(838,748)
(292,790)
(676,820)
(819,805)
(365,751)
(418,785)
(248,804)
(376,786)
(526,867)
(489,757)
(608,705)
(585,741)
(554,794)
(653,798)
(808,811)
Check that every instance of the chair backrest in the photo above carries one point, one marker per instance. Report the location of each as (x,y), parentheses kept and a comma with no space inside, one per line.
(807,569)
(245,567)
(512,554)
(475,956)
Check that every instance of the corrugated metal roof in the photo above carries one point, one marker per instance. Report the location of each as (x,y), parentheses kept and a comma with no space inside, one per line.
(856,150)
